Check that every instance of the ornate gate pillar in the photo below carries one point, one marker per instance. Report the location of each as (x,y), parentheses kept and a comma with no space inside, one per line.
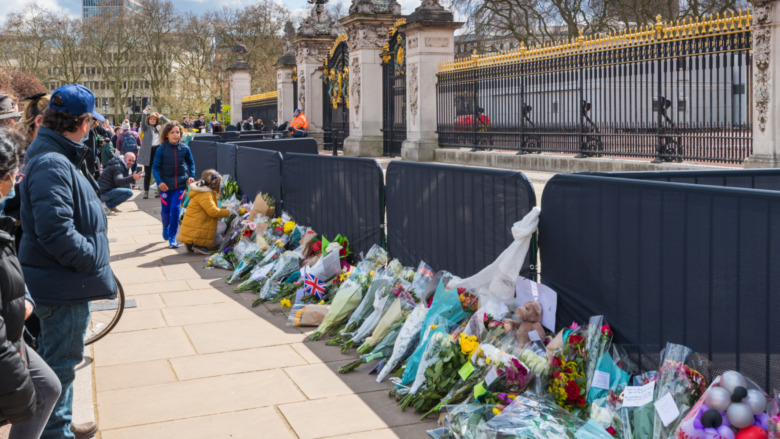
(366,27)
(240,83)
(313,39)
(285,70)
(766,85)
(430,40)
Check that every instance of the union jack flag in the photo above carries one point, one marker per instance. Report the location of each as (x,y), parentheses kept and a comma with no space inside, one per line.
(312,285)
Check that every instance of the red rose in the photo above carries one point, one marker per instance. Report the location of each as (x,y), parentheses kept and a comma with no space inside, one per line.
(342,252)
(556,375)
(611,430)
(316,247)
(575,339)
(556,363)
(572,390)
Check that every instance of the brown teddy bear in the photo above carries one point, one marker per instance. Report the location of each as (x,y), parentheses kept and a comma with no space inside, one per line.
(530,316)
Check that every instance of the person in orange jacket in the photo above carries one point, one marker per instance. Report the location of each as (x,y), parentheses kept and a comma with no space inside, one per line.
(299,124)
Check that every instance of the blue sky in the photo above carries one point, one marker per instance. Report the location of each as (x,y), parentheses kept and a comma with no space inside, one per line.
(73,7)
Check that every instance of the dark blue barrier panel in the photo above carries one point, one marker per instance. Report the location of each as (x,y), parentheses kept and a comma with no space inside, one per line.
(744,178)
(204,152)
(454,218)
(226,159)
(229,134)
(688,264)
(253,135)
(259,170)
(336,195)
(305,145)
(206,136)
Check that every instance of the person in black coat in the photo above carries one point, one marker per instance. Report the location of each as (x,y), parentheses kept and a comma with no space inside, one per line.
(93,159)
(28,387)
(115,181)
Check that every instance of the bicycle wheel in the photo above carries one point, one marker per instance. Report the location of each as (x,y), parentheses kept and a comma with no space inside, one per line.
(104,315)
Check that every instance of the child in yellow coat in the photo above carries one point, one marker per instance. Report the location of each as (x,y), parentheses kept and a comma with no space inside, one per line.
(200,219)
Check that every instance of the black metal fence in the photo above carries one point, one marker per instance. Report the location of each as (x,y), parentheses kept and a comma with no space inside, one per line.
(667,92)
(394,91)
(335,96)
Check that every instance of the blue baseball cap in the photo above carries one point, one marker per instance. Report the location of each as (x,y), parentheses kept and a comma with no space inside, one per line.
(76,99)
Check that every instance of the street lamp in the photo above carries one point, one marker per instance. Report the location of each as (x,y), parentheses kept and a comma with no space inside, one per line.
(105,107)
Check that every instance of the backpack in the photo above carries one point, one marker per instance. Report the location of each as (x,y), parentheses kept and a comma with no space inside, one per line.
(128,143)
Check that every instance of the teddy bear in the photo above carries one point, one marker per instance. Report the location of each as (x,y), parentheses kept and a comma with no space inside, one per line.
(530,316)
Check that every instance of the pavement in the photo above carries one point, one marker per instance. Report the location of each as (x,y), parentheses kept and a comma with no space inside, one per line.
(196,360)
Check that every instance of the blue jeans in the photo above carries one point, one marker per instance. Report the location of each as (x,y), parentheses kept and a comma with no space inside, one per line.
(298,133)
(47,392)
(61,346)
(171,210)
(116,196)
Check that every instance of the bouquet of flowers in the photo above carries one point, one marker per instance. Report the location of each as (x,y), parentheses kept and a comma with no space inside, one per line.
(285,266)
(679,379)
(382,350)
(567,368)
(407,339)
(463,421)
(530,416)
(438,368)
(259,274)
(251,254)
(229,188)
(347,298)
(599,339)
(774,416)
(383,299)
(398,311)
(224,259)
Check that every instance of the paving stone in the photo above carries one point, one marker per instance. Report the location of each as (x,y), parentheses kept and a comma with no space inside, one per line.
(238,334)
(322,380)
(155,287)
(217,312)
(147,302)
(315,419)
(179,271)
(248,360)
(250,424)
(124,376)
(135,320)
(137,346)
(195,297)
(319,352)
(138,275)
(185,399)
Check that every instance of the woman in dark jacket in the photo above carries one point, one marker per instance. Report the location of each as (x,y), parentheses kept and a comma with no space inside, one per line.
(28,387)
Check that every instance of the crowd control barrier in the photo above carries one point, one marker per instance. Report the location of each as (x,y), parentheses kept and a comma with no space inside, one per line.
(692,264)
(454,218)
(305,145)
(336,195)
(768,179)
(204,152)
(259,170)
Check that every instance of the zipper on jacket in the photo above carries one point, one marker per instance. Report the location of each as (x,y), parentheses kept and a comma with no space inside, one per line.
(175,170)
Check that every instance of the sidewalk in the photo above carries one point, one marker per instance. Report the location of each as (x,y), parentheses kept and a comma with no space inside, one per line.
(196,360)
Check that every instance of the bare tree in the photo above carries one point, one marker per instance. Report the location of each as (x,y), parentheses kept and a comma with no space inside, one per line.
(65,35)
(195,72)
(259,27)
(25,44)
(157,25)
(110,44)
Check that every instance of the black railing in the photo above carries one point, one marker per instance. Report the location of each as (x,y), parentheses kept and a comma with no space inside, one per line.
(394,92)
(668,93)
(335,96)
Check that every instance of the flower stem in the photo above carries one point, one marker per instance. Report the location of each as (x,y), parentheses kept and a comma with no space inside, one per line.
(351,366)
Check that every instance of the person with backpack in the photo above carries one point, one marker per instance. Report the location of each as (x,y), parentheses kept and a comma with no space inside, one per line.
(128,141)
(107,152)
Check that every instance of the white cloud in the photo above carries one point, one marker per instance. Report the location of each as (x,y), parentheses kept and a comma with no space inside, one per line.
(50,5)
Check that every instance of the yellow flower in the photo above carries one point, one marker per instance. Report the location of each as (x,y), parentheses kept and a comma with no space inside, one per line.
(434,327)
(371,273)
(488,360)
(496,411)
(285,303)
(468,344)
(289,226)
(279,243)
(321,302)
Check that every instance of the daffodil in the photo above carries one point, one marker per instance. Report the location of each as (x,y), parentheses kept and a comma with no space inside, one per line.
(285,303)
(321,302)
(289,226)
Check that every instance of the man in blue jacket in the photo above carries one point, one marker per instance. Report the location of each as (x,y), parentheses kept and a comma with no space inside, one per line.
(64,250)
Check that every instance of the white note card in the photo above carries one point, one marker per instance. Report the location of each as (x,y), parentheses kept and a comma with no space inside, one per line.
(637,396)
(600,380)
(491,376)
(534,335)
(263,272)
(667,409)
